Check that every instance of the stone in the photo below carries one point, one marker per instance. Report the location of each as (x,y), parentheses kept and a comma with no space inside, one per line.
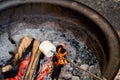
(75,78)
(78,61)
(84,66)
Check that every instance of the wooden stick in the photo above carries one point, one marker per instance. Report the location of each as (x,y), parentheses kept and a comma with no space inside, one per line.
(80,67)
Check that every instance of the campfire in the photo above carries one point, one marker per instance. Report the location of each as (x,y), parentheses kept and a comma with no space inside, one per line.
(47,67)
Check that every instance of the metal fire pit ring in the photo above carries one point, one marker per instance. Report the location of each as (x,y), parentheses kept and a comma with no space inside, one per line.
(101,37)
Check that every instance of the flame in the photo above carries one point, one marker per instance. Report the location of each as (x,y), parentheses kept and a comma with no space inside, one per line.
(62,53)
(22,68)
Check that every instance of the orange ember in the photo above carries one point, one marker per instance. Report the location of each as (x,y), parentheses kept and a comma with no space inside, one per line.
(45,69)
(22,69)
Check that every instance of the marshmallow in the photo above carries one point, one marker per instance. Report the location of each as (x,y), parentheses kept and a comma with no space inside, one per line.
(46,47)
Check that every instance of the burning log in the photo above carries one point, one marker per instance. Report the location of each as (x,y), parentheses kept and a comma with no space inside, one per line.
(24,43)
(26,57)
(33,62)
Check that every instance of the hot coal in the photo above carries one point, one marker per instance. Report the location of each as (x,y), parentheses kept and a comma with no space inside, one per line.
(77,51)
(44,67)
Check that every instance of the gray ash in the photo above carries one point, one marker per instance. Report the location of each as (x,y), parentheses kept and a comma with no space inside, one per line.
(78,52)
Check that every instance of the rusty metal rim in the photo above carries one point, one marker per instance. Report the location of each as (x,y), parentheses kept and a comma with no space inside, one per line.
(92,15)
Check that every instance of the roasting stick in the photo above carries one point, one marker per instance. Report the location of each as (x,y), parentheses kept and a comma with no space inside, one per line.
(79,67)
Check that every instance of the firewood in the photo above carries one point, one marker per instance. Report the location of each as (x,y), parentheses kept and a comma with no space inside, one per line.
(33,62)
(23,44)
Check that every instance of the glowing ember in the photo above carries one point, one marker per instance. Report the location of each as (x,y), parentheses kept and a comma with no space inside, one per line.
(45,69)
(22,69)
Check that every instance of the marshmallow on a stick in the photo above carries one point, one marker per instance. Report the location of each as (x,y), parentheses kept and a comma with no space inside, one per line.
(46,47)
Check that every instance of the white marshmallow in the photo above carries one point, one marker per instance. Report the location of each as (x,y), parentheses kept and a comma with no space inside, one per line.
(46,47)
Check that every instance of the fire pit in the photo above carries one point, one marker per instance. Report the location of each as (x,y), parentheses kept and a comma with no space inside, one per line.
(85,33)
